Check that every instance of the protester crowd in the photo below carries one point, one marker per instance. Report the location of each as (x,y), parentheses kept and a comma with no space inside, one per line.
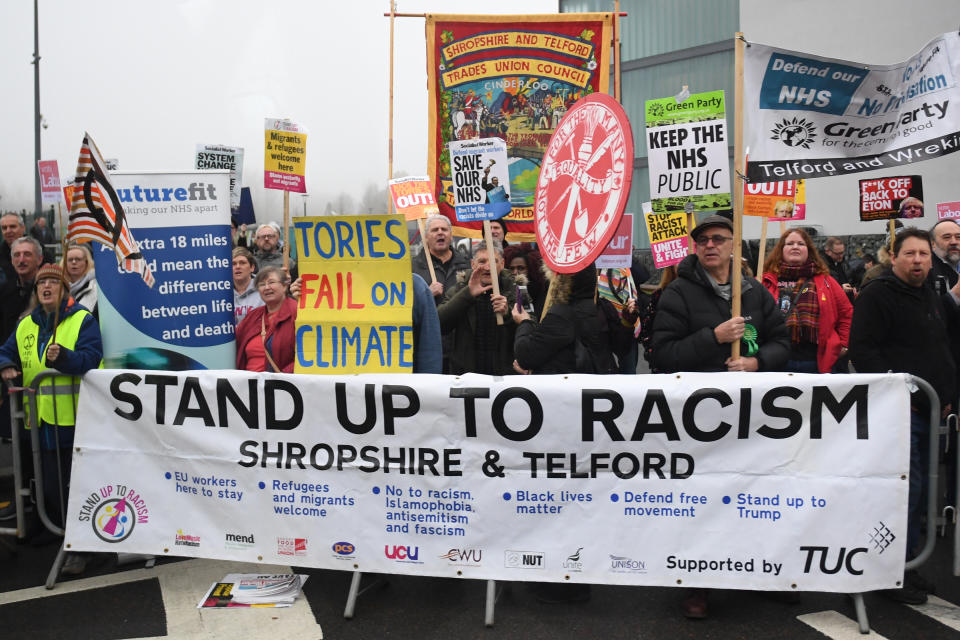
(807,312)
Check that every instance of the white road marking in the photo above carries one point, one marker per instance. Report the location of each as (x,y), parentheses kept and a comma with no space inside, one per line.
(182,584)
(836,626)
(944,612)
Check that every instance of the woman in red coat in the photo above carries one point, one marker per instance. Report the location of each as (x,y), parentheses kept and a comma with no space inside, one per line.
(815,307)
(266,338)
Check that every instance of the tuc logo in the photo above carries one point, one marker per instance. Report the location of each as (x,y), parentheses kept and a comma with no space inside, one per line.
(344,548)
(844,560)
(402,553)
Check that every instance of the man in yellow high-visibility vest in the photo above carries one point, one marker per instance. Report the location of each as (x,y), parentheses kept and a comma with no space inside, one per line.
(76,349)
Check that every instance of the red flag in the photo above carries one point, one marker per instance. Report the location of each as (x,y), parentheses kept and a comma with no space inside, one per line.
(96,214)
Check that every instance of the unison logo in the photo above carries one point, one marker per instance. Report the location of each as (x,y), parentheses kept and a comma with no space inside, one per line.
(623,564)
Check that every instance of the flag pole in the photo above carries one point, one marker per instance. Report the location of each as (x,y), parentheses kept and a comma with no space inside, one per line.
(736,276)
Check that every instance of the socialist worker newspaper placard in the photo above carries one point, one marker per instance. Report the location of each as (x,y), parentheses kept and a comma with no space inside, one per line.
(811,116)
(511,77)
(557,479)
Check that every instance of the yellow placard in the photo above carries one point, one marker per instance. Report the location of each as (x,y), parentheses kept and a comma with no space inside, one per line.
(356,300)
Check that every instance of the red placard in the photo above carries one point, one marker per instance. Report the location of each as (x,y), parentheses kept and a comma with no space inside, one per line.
(584,183)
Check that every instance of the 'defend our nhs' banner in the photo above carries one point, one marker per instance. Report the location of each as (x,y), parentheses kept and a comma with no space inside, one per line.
(185,321)
(742,481)
(807,116)
(510,77)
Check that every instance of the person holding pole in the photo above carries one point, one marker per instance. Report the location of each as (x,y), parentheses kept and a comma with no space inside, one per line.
(58,334)
(694,327)
(815,307)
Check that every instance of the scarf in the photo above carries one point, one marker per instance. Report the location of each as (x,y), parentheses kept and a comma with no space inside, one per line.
(798,301)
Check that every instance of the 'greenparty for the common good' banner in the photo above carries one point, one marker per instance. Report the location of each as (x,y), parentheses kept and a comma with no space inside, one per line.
(745,481)
(807,116)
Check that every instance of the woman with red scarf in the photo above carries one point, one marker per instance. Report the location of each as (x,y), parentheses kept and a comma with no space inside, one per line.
(814,305)
(266,336)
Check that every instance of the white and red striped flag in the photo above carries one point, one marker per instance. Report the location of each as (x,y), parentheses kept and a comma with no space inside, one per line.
(96,214)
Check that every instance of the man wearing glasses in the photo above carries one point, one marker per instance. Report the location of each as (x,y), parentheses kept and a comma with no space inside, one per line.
(269,252)
(693,328)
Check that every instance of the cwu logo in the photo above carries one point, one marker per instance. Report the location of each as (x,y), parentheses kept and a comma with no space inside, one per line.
(463,556)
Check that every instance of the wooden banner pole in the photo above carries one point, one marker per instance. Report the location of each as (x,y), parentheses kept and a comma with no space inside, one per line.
(492,261)
(393,7)
(892,226)
(783,227)
(736,269)
(426,252)
(616,50)
(286,228)
(762,249)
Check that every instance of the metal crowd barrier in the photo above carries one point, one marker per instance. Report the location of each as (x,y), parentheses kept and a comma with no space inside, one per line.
(20,494)
(933,476)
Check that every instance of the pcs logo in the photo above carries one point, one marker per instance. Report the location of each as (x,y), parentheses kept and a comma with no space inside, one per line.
(344,549)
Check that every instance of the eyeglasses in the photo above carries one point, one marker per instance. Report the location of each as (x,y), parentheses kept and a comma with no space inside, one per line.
(270,283)
(718,241)
(914,206)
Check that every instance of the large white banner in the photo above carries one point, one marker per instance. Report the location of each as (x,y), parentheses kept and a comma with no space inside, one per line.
(807,116)
(747,481)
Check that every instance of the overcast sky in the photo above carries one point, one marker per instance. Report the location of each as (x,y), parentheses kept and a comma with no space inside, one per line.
(150,80)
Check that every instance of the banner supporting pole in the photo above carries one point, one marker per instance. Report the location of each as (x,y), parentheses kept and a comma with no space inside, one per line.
(892,226)
(736,268)
(783,227)
(393,7)
(492,261)
(423,240)
(762,252)
(616,50)
(286,227)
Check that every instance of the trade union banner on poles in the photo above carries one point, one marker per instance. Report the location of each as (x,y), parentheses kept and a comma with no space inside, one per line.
(511,77)
(688,152)
(807,116)
(356,295)
(732,480)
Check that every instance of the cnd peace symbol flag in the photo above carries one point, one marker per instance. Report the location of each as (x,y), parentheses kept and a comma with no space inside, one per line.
(510,77)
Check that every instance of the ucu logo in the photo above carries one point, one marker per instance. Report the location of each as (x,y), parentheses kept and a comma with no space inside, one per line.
(401,553)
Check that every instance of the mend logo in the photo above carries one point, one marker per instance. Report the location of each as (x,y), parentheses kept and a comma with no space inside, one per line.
(524,559)
(239,541)
(402,553)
